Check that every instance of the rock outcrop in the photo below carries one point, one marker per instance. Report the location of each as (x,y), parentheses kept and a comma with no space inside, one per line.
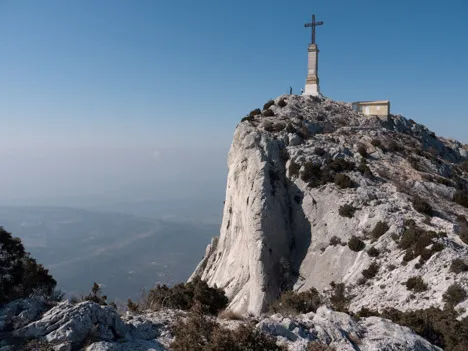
(302,182)
(92,327)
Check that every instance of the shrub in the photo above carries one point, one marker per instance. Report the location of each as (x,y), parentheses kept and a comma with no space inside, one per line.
(294,169)
(199,333)
(347,210)
(356,244)
(371,271)
(268,113)
(21,275)
(364,169)
(132,306)
(293,303)
(464,166)
(186,296)
(255,112)
(247,118)
(380,229)
(463,229)
(311,174)
(268,104)
(282,103)
(339,299)
(315,346)
(416,284)
(96,295)
(393,146)
(230,315)
(421,205)
(343,181)
(341,165)
(461,198)
(454,294)
(319,151)
(439,327)
(362,150)
(290,128)
(373,252)
(334,240)
(458,266)
(376,142)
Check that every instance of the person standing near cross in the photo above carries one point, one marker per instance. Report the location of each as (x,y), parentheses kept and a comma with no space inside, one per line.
(312,86)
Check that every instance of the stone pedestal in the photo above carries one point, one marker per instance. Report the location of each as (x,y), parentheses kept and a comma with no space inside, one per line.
(312,83)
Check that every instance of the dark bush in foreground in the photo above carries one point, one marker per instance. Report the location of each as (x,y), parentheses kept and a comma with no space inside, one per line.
(458,266)
(339,299)
(380,229)
(356,244)
(454,294)
(334,240)
(20,273)
(315,346)
(96,295)
(362,150)
(373,252)
(186,296)
(439,327)
(421,205)
(347,211)
(199,333)
(343,181)
(294,169)
(292,303)
(415,240)
(461,198)
(416,284)
(268,113)
(268,104)
(255,112)
(376,142)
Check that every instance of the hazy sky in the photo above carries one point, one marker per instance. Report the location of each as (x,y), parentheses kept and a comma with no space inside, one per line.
(139,99)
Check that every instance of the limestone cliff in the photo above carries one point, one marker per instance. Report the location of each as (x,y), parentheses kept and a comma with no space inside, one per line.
(314,173)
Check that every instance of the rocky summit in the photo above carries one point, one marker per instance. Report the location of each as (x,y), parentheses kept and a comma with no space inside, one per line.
(318,195)
(340,232)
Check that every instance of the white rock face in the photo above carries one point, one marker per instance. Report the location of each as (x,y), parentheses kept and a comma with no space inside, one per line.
(276,228)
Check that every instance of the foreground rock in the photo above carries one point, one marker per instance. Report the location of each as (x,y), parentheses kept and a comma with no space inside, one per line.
(92,327)
(303,182)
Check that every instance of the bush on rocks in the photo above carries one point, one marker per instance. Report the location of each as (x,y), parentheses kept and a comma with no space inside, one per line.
(186,296)
(268,104)
(362,150)
(201,333)
(347,210)
(356,244)
(380,229)
(454,294)
(373,252)
(416,284)
(458,266)
(421,205)
(255,112)
(461,198)
(343,181)
(282,103)
(292,303)
(334,240)
(268,113)
(371,271)
(294,169)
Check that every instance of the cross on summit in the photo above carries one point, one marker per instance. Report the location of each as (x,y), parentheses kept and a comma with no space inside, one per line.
(312,83)
(313,24)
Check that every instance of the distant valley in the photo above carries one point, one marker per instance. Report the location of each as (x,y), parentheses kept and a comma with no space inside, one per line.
(124,253)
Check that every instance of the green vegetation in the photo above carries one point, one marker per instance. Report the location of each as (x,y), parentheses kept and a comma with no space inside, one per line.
(201,333)
(454,294)
(347,210)
(187,296)
(380,229)
(292,303)
(439,327)
(356,244)
(421,205)
(282,103)
(334,240)
(415,242)
(21,274)
(96,295)
(371,271)
(458,266)
(416,284)
(268,113)
(373,252)
(343,181)
(362,150)
(339,299)
(268,104)
(461,198)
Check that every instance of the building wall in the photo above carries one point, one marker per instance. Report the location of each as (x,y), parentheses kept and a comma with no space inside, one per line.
(372,109)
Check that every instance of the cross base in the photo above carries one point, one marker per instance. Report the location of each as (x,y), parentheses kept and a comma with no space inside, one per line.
(312,89)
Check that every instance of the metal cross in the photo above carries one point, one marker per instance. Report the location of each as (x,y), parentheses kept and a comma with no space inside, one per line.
(313,25)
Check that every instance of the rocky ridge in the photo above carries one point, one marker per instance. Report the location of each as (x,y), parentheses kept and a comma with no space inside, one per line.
(92,327)
(306,175)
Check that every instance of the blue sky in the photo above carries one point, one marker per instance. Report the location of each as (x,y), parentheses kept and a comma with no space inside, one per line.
(100,96)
